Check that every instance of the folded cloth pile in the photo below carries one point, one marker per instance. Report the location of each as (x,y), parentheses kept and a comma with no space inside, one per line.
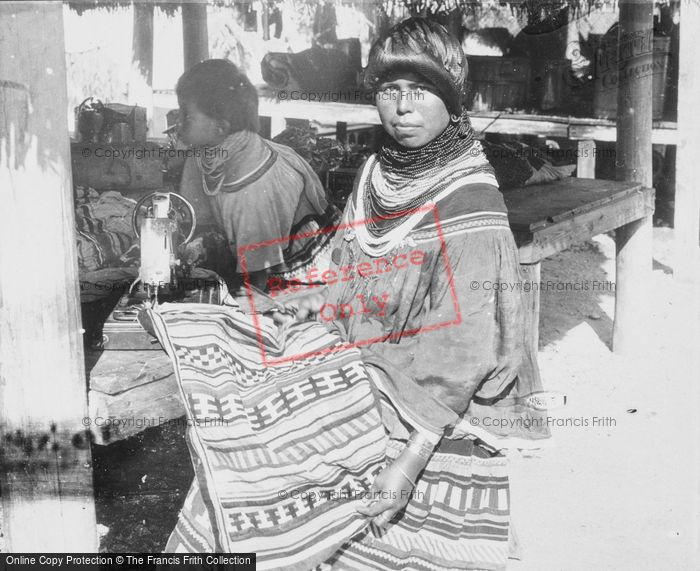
(104,234)
(517,164)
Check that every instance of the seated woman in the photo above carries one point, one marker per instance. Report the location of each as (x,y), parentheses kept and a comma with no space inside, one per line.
(259,193)
(360,440)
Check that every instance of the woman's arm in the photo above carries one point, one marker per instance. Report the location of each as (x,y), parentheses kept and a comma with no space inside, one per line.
(393,486)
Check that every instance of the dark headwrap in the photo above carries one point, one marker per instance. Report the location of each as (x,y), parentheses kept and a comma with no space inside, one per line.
(426,48)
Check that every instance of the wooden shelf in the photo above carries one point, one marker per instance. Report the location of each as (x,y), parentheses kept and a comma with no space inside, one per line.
(573,128)
(567,127)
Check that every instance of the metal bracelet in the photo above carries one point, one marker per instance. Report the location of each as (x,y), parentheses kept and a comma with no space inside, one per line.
(400,469)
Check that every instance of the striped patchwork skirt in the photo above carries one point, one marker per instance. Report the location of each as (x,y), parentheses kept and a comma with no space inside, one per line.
(285,435)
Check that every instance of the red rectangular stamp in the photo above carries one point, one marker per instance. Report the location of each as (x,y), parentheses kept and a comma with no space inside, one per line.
(372,304)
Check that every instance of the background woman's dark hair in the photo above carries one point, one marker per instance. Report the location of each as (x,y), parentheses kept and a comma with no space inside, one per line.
(424,47)
(221,91)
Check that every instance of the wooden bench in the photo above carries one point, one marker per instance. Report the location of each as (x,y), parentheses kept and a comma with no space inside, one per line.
(129,392)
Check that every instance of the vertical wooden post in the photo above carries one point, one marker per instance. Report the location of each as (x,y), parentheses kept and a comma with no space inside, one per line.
(45,463)
(142,42)
(633,241)
(141,82)
(265,20)
(531,308)
(585,159)
(277,125)
(265,126)
(195,36)
(687,200)
(341,132)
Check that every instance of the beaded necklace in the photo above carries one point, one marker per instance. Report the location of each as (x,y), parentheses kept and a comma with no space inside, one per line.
(409,178)
(232,163)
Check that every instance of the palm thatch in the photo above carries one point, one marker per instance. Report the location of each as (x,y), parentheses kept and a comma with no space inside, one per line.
(167,6)
(534,9)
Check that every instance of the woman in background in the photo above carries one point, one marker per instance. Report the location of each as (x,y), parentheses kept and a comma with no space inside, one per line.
(257,192)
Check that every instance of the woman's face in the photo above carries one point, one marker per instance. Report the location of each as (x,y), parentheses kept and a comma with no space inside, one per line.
(197,128)
(410,109)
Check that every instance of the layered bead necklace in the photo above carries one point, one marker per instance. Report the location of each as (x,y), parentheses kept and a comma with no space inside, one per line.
(405,179)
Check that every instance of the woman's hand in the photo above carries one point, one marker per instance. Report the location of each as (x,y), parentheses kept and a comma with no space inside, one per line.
(300,308)
(389,494)
(393,487)
(193,253)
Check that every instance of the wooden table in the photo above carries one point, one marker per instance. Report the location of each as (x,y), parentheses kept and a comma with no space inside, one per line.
(548,218)
(138,388)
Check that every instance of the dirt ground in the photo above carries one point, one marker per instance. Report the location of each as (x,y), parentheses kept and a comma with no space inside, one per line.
(619,492)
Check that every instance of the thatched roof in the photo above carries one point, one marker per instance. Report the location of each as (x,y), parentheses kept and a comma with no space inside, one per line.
(535,9)
(169,6)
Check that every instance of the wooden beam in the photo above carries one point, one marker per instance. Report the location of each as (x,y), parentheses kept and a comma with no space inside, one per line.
(513,124)
(45,462)
(687,200)
(195,35)
(662,133)
(634,163)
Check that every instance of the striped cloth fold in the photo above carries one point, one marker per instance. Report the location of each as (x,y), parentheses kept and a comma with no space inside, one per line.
(282,453)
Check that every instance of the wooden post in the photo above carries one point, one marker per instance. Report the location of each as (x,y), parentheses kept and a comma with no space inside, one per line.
(265,126)
(265,20)
(341,132)
(45,462)
(633,241)
(141,82)
(585,159)
(142,41)
(531,309)
(687,200)
(195,36)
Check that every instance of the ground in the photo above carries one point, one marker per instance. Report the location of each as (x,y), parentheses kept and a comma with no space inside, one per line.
(614,488)
(622,494)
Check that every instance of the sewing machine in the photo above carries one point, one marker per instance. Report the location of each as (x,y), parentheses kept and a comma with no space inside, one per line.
(163,223)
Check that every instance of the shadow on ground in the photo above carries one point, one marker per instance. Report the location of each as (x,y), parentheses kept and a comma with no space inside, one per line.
(575,285)
(140,486)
